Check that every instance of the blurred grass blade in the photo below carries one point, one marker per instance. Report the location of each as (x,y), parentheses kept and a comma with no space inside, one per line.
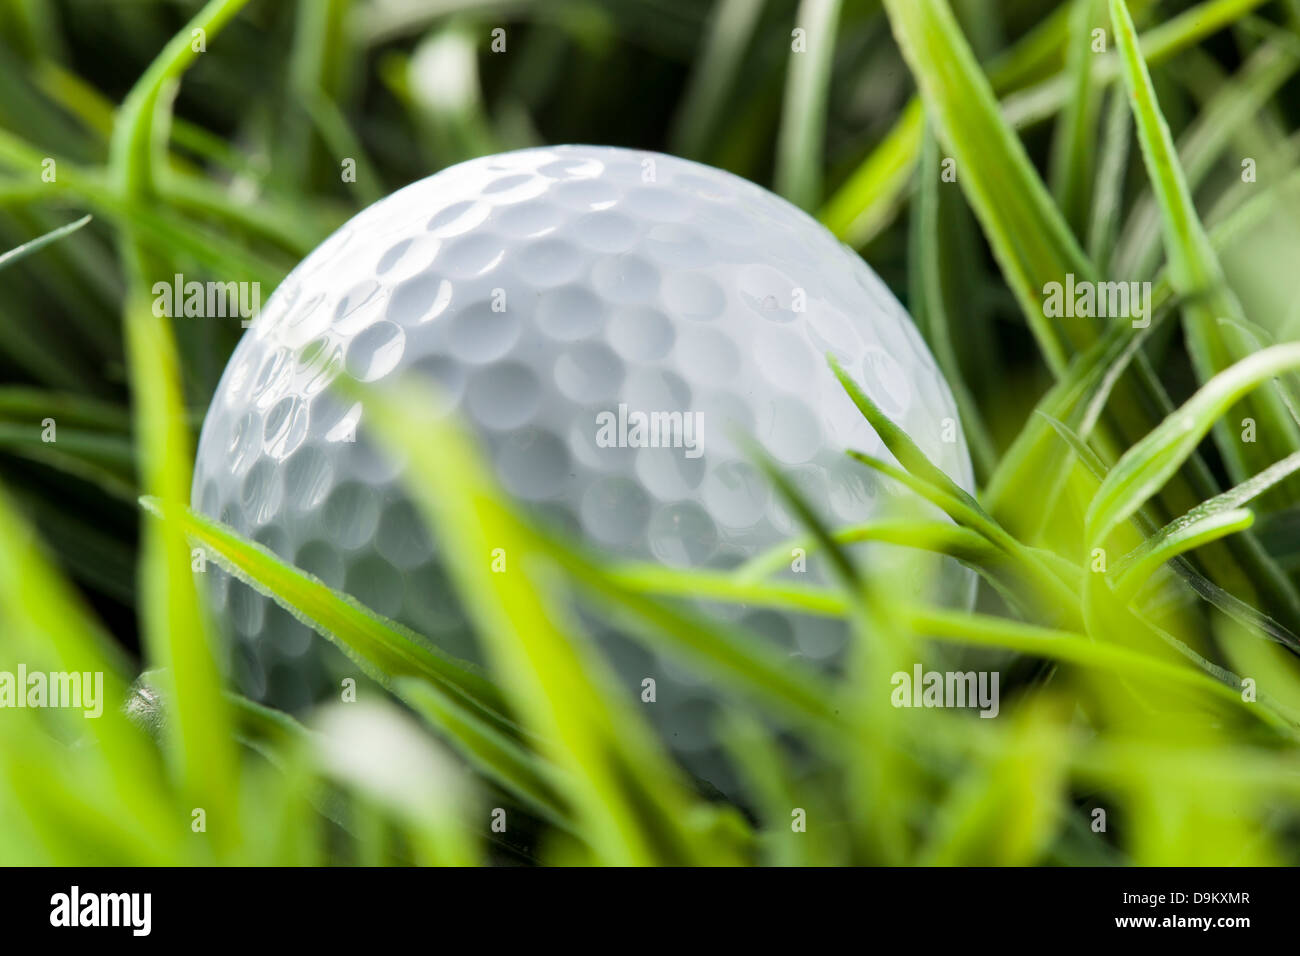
(800,140)
(495,754)
(1073,143)
(44,622)
(631,801)
(27,248)
(930,303)
(1108,201)
(731,29)
(176,626)
(1068,647)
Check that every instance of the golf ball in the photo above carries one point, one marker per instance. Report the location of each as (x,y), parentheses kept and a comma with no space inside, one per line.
(604,320)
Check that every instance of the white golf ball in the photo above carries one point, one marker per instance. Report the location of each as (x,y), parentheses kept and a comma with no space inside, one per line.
(602,318)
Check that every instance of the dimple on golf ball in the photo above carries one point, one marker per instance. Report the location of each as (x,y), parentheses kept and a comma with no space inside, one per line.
(604,320)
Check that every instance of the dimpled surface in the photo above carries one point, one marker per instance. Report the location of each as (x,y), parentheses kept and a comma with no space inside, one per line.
(540,289)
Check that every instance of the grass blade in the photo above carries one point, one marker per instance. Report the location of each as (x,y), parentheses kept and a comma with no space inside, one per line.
(384,649)
(803,117)
(35,245)
(1194,268)
(1150,462)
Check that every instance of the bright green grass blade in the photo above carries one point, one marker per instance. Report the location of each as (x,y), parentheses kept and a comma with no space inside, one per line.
(1135,567)
(77,818)
(1048,574)
(735,658)
(911,457)
(1080,396)
(1235,104)
(1138,565)
(1246,338)
(176,627)
(937,536)
(165,232)
(868,199)
(275,218)
(383,649)
(807,516)
(1232,607)
(799,144)
(1194,268)
(1150,462)
(1215,595)
(35,245)
(1011,202)
(1068,647)
(1090,459)
(1030,240)
(96,112)
(44,623)
(720,586)
(1055,531)
(631,802)
(135,139)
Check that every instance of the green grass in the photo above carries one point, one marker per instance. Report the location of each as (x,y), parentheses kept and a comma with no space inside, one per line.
(1137,592)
